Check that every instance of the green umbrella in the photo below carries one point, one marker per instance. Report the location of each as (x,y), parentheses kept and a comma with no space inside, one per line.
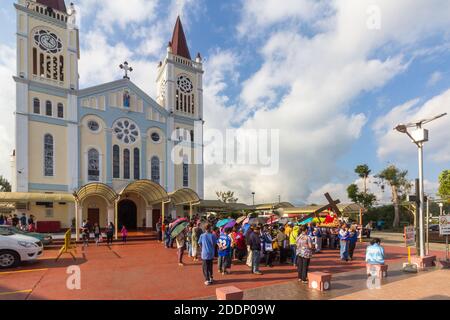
(178,229)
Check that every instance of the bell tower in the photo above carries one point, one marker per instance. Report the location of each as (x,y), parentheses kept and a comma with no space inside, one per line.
(180,91)
(180,79)
(46,101)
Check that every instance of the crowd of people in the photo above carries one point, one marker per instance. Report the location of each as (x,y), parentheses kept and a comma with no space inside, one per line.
(256,244)
(24,222)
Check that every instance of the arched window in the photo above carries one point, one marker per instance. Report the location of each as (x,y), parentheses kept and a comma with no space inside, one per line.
(60,110)
(136,163)
(116,162)
(155,170)
(48,155)
(36,106)
(185,173)
(48,109)
(126,164)
(93,165)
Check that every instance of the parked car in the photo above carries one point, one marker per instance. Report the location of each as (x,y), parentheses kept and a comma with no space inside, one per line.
(17,248)
(45,238)
(433,227)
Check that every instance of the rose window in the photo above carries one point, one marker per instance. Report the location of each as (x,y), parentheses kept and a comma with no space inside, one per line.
(126,131)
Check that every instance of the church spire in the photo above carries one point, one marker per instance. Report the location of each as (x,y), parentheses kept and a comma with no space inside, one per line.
(54,4)
(179,43)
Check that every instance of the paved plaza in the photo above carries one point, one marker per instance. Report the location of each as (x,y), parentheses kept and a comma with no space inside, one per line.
(146,270)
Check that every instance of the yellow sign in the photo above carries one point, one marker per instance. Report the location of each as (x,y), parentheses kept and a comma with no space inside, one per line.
(68,247)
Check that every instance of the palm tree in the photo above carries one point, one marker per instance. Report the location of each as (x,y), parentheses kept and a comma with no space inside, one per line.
(5,186)
(399,184)
(363,172)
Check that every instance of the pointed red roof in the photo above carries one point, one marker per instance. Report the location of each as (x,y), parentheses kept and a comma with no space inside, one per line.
(179,43)
(54,4)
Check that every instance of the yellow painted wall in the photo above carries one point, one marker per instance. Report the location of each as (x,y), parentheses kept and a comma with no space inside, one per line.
(60,213)
(37,131)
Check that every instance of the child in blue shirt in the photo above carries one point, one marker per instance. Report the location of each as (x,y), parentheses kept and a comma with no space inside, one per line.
(224,251)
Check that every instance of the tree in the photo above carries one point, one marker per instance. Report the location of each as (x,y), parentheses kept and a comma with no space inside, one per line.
(397,180)
(5,186)
(444,184)
(363,172)
(226,196)
(367,200)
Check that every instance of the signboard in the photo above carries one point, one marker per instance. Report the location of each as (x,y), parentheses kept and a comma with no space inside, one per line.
(444,225)
(410,236)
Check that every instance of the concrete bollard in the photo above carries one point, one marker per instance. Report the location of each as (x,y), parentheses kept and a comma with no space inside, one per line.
(425,262)
(229,293)
(319,281)
(380,269)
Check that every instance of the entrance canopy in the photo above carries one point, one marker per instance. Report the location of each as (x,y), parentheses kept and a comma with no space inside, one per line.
(95,189)
(35,197)
(184,196)
(149,190)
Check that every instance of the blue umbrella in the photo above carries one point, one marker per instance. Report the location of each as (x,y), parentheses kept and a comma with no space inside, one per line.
(306,221)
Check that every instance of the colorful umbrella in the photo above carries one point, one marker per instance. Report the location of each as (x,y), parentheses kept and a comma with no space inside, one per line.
(306,221)
(230,224)
(245,228)
(241,219)
(246,220)
(174,224)
(178,229)
(223,222)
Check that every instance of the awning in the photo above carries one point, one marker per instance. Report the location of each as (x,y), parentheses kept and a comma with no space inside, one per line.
(35,197)
(149,190)
(96,189)
(184,196)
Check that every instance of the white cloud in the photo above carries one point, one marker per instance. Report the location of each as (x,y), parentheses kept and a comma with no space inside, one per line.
(122,13)
(397,146)
(8,103)
(434,78)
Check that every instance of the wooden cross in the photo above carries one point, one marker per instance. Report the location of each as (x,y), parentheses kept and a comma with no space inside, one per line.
(331,204)
(127,69)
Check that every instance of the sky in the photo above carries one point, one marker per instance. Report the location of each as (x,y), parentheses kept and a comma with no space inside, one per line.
(333,77)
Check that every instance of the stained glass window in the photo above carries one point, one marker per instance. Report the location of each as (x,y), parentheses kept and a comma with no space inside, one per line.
(48,108)
(155,170)
(136,163)
(36,106)
(116,162)
(93,165)
(126,164)
(48,155)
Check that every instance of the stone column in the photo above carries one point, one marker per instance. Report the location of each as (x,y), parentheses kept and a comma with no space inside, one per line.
(110,214)
(149,217)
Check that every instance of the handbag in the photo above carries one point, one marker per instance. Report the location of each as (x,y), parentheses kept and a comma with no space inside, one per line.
(268,247)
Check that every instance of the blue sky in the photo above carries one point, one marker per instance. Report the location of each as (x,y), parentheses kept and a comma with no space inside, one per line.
(312,69)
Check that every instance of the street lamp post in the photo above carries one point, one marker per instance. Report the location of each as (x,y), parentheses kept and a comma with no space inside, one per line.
(419,136)
(253,195)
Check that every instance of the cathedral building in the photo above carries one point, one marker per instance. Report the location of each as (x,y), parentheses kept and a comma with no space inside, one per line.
(107,153)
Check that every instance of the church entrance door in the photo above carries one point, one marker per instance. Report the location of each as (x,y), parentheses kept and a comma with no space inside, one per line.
(127,215)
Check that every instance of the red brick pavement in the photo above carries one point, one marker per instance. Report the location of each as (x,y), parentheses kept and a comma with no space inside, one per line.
(146,270)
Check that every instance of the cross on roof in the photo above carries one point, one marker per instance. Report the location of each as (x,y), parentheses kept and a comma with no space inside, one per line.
(127,69)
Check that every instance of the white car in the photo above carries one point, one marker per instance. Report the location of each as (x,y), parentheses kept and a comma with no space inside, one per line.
(16,248)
